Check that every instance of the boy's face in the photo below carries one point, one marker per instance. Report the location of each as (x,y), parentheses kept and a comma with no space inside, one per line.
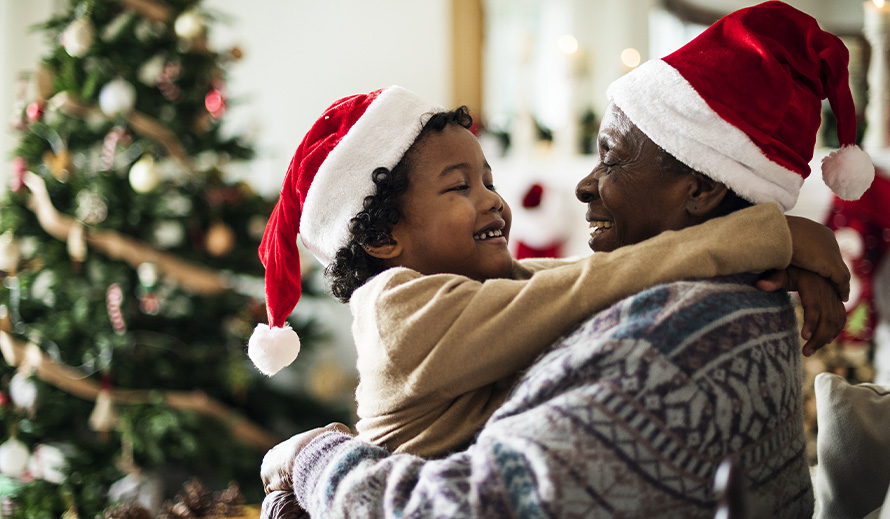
(453,221)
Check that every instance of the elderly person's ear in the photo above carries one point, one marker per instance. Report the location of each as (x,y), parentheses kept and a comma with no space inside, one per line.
(705,195)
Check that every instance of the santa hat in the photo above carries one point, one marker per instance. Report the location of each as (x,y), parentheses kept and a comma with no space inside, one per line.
(324,188)
(742,103)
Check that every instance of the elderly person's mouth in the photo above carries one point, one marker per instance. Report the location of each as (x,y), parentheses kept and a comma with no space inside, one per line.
(598,227)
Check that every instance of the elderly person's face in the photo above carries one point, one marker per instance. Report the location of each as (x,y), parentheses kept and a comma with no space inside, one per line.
(635,192)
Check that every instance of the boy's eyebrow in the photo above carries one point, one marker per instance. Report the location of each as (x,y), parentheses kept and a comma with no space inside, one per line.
(461,166)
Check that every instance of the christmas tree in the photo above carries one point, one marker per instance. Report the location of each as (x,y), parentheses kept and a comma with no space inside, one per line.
(130,275)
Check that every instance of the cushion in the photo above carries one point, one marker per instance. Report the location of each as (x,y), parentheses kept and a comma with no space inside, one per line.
(853,447)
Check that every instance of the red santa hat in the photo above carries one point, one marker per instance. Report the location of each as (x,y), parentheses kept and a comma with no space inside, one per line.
(324,188)
(742,103)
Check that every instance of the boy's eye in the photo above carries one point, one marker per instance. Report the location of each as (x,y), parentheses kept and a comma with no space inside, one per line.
(491,187)
(462,187)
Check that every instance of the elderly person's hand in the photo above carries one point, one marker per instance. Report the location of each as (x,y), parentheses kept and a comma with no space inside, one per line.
(815,248)
(282,504)
(277,468)
(824,314)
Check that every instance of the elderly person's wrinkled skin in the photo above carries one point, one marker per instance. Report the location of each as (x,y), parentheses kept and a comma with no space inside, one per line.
(637,190)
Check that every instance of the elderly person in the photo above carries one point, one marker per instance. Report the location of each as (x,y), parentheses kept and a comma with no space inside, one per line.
(630,414)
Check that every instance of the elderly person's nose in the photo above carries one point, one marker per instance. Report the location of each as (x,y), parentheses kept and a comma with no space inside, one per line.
(588,188)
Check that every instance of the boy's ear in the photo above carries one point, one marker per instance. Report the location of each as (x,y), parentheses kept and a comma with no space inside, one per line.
(385,251)
(705,194)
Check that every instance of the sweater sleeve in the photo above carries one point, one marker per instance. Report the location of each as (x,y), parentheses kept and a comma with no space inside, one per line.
(450,335)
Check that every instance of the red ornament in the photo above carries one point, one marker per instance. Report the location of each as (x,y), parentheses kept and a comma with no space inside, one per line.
(215,103)
(34,111)
(19,168)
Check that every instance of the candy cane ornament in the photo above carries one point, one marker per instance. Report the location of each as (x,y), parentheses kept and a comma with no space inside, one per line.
(113,299)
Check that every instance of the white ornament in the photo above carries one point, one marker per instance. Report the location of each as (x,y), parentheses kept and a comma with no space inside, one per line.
(144,175)
(23,391)
(78,37)
(117,97)
(14,457)
(189,25)
(41,288)
(148,274)
(169,234)
(48,463)
(151,70)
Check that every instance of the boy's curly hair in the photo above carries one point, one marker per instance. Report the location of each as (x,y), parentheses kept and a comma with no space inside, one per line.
(372,226)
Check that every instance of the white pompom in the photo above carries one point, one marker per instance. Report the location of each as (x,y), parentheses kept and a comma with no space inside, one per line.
(848,172)
(271,349)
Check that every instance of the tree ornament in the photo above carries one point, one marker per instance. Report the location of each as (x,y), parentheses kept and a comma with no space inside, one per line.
(34,111)
(167,81)
(19,168)
(10,253)
(220,239)
(14,456)
(189,25)
(117,135)
(59,164)
(91,208)
(145,176)
(42,287)
(149,302)
(215,103)
(48,463)
(77,245)
(150,72)
(23,391)
(169,234)
(117,97)
(103,419)
(78,37)
(114,297)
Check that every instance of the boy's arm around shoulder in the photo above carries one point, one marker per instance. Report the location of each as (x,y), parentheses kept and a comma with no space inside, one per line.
(451,334)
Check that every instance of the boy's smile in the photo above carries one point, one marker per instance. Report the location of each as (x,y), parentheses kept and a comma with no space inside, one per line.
(453,221)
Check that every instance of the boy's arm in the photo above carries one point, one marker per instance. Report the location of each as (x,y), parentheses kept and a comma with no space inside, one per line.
(450,335)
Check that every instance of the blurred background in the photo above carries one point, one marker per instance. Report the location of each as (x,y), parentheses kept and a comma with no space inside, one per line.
(155,134)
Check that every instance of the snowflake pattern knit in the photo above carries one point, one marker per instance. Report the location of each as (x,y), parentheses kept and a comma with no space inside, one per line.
(628,415)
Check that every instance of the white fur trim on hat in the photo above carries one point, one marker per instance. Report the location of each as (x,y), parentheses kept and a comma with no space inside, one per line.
(671,113)
(848,171)
(379,139)
(271,349)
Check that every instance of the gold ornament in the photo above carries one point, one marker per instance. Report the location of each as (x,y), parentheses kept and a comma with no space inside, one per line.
(59,164)
(220,239)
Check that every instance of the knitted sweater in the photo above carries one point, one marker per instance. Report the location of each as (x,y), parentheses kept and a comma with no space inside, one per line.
(437,354)
(628,415)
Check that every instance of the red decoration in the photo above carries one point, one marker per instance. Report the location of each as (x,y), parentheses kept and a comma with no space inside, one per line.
(34,111)
(870,218)
(533,196)
(113,299)
(19,168)
(215,103)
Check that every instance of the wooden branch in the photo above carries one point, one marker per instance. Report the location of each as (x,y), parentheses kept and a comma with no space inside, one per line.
(151,9)
(71,381)
(191,276)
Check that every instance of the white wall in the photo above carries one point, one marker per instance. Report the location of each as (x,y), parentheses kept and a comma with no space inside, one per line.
(299,56)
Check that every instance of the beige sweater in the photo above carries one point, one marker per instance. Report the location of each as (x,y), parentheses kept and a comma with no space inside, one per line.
(438,354)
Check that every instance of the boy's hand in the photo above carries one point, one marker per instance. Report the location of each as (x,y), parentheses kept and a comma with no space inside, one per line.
(278,464)
(824,315)
(815,248)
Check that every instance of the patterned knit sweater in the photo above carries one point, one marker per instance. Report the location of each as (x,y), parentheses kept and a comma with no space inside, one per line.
(628,415)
